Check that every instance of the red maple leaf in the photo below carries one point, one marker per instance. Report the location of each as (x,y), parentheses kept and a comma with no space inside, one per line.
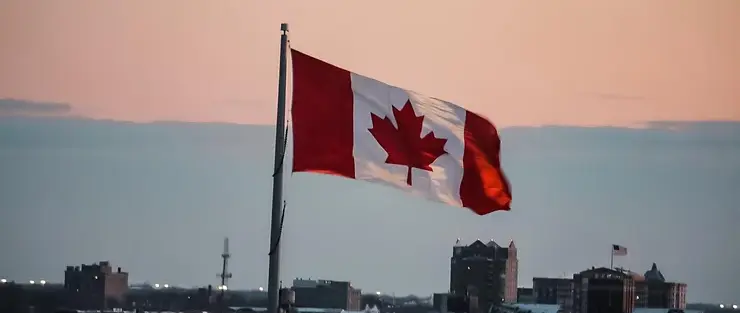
(404,144)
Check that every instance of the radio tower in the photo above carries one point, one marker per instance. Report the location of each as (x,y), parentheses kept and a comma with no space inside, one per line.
(225,275)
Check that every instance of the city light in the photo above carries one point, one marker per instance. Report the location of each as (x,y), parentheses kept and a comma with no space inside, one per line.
(31,282)
(262,289)
(42,282)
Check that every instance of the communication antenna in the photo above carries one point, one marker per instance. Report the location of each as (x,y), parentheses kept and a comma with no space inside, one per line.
(225,275)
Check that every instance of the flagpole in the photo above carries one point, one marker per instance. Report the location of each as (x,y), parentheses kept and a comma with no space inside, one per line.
(277,181)
(611,265)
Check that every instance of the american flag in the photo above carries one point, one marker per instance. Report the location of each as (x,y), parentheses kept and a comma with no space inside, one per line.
(619,250)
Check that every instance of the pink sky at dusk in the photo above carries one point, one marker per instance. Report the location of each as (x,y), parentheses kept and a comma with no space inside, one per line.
(517,62)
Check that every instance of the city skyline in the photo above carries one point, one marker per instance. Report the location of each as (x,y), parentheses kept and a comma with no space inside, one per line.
(164,285)
(194,183)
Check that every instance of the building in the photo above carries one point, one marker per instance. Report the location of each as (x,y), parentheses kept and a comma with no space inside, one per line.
(445,302)
(488,269)
(603,290)
(677,296)
(95,286)
(525,296)
(609,290)
(512,273)
(145,298)
(31,297)
(328,294)
(553,291)
(652,291)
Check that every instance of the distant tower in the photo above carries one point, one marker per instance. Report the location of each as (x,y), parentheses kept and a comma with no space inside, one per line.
(225,275)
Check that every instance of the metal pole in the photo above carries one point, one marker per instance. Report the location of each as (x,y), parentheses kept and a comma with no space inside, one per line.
(277,182)
(611,265)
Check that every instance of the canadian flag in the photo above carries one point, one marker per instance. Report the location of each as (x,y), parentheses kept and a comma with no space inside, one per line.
(353,126)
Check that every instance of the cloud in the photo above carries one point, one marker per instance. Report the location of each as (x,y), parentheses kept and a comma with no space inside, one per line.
(709,128)
(27,107)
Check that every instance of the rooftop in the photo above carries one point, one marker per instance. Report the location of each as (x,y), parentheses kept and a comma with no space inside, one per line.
(654,274)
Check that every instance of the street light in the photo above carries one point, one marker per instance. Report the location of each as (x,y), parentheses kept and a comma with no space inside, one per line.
(261,289)
(734,306)
(31,282)
(721,306)
(43,282)
(3,280)
(166,286)
(377,293)
(156,285)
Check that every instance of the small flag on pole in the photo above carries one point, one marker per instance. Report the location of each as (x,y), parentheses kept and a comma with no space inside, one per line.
(619,250)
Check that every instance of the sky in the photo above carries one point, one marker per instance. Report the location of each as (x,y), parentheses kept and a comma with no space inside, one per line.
(518,62)
(645,152)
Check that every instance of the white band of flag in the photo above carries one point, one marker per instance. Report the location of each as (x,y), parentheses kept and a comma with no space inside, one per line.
(619,250)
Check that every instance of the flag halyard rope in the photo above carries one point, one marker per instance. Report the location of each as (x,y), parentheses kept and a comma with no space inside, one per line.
(282,215)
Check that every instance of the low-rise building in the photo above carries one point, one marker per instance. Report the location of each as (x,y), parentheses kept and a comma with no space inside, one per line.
(525,296)
(553,291)
(326,294)
(95,286)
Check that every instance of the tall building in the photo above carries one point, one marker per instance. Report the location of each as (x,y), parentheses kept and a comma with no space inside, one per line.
(326,294)
(553,291)
(512,274)
(487,269)
(95,286)
(654,292)
(603,290)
